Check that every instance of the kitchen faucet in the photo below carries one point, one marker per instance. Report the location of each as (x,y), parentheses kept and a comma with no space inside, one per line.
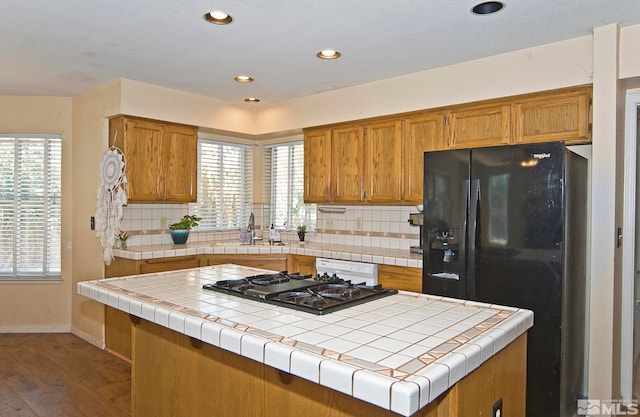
(251,229)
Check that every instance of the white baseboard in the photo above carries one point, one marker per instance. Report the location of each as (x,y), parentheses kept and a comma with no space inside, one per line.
(95,342)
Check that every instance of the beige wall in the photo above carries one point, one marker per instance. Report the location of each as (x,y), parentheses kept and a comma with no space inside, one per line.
(41,307)
(546,67)
(90,128)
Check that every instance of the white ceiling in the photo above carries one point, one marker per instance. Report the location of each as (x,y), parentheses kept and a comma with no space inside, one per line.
(65,47)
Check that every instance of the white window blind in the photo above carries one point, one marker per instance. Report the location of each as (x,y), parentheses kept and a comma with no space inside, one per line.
(284,183)
(225,181)
(30,207)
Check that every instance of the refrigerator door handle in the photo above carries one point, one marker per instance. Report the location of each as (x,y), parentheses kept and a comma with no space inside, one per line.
(474,202)
(464,226)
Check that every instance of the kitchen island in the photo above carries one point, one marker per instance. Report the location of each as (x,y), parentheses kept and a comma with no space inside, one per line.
(197,352)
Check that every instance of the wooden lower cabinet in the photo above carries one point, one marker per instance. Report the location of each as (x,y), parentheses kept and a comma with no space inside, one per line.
(117,332)
(265,261)
(400,277)
(303,264)
(175,375)
(117,324)
(121,267)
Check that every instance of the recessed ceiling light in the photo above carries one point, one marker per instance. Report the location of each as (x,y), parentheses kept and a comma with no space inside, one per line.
(243,79)
(328,54)
(252,100)
(217,17)
(488,7)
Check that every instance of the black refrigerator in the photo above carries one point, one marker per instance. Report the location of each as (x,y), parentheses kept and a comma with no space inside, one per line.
(507,225)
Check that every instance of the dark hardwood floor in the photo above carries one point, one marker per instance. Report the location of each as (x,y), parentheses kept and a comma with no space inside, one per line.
(61,375)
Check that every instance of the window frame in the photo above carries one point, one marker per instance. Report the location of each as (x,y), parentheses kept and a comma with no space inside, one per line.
(50,269)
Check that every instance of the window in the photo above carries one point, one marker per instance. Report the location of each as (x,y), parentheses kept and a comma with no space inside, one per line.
(30,207)
(284,186)
(225,181)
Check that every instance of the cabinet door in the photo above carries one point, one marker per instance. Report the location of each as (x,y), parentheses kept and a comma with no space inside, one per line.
(265,261)
(421,133)
(383,159)
(317,166)
(400,277)
(303,264)
(479,126)
(554,117)
(143,150)
(181,164)
(169,264)
(347,146)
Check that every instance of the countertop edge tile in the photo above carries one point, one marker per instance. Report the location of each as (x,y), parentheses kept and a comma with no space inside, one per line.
(337,375)
(306,365)
(457,364)
(230,340)
(211,333)
(252,347)
(193,326)
(405,397)
(373,388)
(278,355)
(438,375)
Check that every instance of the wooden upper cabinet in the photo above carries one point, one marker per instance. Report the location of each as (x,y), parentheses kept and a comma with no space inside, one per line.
(553,117)
(476,126)
(161,159)
(181,163)
(380,160)
(347,148)
(143,152)
(317,166)
(421,133)
(383,161)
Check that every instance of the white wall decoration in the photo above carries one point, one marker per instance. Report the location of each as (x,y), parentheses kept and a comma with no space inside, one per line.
(112,196)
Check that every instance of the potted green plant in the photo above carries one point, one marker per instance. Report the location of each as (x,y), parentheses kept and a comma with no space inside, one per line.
(180,230)
(121,240)
(302,229)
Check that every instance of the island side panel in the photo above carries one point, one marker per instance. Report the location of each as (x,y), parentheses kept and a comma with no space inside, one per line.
(503,377)
(173,374)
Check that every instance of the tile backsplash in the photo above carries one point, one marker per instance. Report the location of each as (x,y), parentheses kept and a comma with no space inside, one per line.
(368,226)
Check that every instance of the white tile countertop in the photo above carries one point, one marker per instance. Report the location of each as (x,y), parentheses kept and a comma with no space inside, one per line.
(387,256)
(398,352)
